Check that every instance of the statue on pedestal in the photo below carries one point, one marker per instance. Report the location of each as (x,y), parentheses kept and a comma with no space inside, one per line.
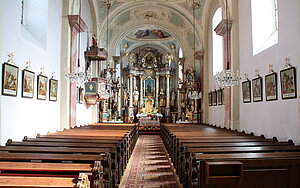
(173,98)
(135,97)
(126,97)
(162,100)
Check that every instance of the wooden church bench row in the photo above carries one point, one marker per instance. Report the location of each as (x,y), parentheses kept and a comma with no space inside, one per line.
(78,147)
(65,170)
(56,182)
(184,153)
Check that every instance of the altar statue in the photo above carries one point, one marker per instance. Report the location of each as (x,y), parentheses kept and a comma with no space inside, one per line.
(173,98)
(162,100)
(125,97)
(136,97)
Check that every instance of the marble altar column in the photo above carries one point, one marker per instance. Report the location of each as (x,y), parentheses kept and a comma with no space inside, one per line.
(141,92)
(131,108)
(167,114)
(119,103)
(157,92)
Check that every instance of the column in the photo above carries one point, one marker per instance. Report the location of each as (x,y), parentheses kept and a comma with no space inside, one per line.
(77,25)
(141,91)
(199,55)
(119,102)
(223,29)
(157,92)
(131,108)
(168,99)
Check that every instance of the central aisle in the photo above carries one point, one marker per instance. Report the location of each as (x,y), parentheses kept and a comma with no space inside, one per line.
(149,166)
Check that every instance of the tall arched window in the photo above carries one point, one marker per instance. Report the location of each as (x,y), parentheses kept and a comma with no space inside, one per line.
(180,76)
(264,24)
(217,43)
(34,20)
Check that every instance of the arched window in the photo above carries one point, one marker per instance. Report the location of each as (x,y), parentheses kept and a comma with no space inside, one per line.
(34,20)
(180,55)
(217,43)
(264,24)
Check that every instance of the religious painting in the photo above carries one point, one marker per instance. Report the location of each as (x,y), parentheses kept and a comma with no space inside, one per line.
(53,85)
(151,34)
(210,98)
(214,98)
(271,86)
(149,87)
(80,95)
(148,60)
(91,88)
(42,87)
(288,83)
(27,83)
(219,96)
(10,79)
(257,89)
(246,90)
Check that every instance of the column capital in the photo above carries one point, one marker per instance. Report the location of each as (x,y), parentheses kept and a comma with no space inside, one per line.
(130,75)
(76,23)
(223,27)
(156,76)
(168,76)
(141,76)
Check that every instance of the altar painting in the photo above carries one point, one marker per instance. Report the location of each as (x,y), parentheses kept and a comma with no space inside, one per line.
(149,85)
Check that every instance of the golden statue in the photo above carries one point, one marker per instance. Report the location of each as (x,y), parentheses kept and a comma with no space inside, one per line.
(148,109)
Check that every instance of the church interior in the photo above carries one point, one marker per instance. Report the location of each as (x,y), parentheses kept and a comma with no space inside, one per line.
(149,93)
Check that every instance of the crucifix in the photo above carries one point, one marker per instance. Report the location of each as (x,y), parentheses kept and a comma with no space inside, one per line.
(270,68)
(42,70)
(257,72)
(11,58)
(28,67)
(287,62)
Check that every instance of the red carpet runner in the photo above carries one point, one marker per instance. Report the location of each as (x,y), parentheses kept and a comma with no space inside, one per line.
(149,166)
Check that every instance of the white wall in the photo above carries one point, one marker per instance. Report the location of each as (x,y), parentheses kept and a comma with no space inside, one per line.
(24,116)
(215,113)
(84,113)
(278,118)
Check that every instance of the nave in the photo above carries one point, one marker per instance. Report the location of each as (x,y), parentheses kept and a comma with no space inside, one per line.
(181,155)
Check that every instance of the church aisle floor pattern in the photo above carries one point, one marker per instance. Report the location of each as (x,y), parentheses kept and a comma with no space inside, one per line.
(149,166)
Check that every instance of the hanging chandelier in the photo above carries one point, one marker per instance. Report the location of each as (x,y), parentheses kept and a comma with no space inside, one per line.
(195,95)
(227,78)
(78,75)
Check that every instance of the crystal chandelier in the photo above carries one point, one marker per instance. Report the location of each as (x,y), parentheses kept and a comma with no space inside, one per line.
(78,76)
(195,95)
(227,78)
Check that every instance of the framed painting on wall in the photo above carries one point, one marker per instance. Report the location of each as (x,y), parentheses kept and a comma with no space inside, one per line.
(10,79)
(42,87)
(288,83)
(257,89)
(210,98)
(53,85)
(271,87)
(219,96)
(214,98)
(246,90)
(27,83)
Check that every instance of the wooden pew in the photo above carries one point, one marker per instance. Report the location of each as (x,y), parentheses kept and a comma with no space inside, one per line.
(29,182)
(277,169)
(63,158)
(28,169)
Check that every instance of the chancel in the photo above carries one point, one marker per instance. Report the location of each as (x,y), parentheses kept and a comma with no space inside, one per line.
(141,93)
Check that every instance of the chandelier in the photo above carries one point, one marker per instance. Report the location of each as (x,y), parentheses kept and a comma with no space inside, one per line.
(78,76)
(195,95)
(227,78)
